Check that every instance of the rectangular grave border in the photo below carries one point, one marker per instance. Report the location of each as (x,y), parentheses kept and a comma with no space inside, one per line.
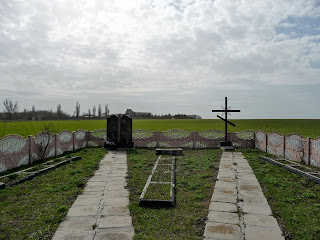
(158,202)
(291,166)
(31,175)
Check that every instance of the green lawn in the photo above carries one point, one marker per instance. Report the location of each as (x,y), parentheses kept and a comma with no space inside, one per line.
(34,209)
(304,127)
(294,201)
(196,173)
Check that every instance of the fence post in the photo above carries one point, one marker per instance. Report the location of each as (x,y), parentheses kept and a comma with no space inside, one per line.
(30,148)
(87,138)
(308,151)
(73,133)
(266,150)
(158,139)
(254,140)
(55,144)
(194,139)
(284,146)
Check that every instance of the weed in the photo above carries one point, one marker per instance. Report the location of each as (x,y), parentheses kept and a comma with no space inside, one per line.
(13,176)
(62,208)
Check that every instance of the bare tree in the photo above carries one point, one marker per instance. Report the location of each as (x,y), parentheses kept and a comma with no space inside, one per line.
(10,108)
(94,111)
(99,111)
(77,110)
(89,112)
(43,140)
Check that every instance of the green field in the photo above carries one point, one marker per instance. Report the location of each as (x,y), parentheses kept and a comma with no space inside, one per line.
(304,127)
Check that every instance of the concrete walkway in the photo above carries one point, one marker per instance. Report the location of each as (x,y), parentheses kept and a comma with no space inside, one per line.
(101,212)
(238,208)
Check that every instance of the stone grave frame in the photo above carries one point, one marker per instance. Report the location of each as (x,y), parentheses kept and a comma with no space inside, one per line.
(154,202)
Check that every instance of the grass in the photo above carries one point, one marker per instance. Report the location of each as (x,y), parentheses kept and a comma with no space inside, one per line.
(34,209)
(196,172)
(304,127)
(158,191)
(293,199)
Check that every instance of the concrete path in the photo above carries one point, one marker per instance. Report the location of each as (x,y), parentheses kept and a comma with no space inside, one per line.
(101,212)
(238,208)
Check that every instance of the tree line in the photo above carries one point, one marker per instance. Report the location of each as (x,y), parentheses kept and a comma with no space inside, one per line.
(11,112)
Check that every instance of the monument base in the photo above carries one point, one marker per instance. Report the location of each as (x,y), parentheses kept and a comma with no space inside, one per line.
(225,143)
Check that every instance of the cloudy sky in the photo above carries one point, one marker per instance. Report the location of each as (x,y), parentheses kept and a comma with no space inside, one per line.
(163,56)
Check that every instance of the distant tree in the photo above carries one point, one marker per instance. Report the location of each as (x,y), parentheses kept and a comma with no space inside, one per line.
(77,110)
(94,111)
(99,111)
(59,111)
(89,112)
(106,110)
(10,108)
(33,108)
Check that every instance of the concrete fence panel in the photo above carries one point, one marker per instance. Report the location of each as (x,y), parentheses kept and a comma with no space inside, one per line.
(14,152)
(275,143)
(295,148)
(315,152)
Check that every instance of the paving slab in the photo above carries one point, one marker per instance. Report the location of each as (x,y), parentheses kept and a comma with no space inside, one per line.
(226,198)
(223,207)
(101,211)
(78,224)
(69,235)
(255,232)
(222,231)
(260,220)
(223,217)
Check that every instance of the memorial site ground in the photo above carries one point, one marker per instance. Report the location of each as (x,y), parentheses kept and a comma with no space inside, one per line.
(304,127)
(34,209)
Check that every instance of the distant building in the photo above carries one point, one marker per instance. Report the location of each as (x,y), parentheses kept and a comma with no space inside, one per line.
(193,116)
(133,114)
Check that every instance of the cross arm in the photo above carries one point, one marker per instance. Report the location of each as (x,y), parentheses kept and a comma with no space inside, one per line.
(218,110)
(225,110)
(226,120)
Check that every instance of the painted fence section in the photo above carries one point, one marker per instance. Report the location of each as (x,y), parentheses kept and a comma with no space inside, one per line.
(181,138)
(293,147)
(16,150)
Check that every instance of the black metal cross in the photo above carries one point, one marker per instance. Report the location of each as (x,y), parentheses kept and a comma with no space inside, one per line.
(226,111)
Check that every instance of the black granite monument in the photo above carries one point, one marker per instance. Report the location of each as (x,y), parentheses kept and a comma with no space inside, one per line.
(119,131)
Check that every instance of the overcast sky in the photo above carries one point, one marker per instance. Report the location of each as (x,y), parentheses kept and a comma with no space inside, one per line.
(163,56)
